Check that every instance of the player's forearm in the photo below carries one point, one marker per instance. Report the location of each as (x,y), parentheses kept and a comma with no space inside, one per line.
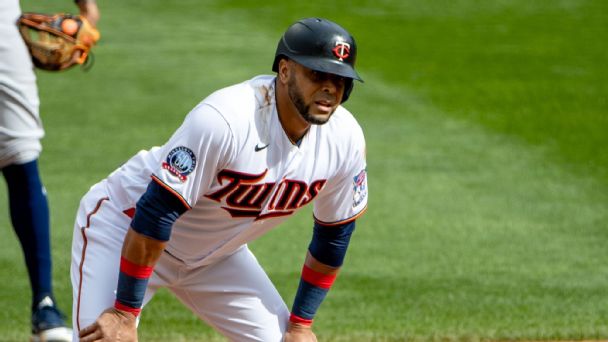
(320,267)
(325,257)
(139,255)
(155,213)
(140,249)
(317,278)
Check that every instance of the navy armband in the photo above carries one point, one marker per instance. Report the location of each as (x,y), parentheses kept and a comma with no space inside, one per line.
(131,288)
(312,290)
(156,211)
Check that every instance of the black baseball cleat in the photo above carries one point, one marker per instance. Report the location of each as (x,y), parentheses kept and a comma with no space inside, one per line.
(48,323)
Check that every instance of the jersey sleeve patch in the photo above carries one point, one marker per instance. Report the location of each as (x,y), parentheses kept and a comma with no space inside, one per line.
(180,162)
(359,188)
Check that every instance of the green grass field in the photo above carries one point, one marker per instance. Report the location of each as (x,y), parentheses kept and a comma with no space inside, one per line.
(486,124)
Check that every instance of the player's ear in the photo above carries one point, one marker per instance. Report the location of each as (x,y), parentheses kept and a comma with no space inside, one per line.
(283,72)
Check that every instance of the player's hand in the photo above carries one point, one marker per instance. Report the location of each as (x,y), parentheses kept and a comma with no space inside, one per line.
(112,326)
(299,333)
(89,10)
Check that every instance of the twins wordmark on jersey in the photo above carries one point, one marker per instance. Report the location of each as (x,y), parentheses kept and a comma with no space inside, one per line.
(243,195)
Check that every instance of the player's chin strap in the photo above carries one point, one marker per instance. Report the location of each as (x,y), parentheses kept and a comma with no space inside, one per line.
(348,88)
(328,246)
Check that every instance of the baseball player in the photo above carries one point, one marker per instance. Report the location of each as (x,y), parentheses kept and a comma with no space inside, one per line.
(20,134)
(247,157)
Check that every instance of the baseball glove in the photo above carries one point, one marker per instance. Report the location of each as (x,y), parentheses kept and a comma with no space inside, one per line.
(58,41)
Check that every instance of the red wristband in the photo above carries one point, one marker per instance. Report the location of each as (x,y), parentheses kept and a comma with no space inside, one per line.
(297,319)
(123,307)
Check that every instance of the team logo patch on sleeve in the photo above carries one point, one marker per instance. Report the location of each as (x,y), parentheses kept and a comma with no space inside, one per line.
(180,162)
(359,188)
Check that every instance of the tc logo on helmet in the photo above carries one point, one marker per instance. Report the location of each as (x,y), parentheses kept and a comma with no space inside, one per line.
(342,50)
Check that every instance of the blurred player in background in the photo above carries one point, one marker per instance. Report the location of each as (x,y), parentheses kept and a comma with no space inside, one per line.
(179,216)
(20,134)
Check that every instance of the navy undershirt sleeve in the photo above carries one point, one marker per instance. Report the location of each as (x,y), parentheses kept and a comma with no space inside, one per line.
(156,211)
(329,243)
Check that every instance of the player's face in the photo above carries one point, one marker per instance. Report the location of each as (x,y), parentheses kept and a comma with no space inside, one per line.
(316,95)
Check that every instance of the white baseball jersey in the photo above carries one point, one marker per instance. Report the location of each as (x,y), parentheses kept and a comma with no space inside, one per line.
(20,125)
(234,166)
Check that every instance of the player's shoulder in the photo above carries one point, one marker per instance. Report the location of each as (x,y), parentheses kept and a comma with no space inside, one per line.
(238,99)
(234,107)
(343,116)
(345,126)
(244,97)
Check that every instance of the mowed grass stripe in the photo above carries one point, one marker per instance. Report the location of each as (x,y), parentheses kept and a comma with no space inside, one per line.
(531,69)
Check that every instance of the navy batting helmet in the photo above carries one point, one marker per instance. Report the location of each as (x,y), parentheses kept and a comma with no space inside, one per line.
(320,45)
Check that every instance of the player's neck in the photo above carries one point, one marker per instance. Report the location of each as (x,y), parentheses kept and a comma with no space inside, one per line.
(293,123)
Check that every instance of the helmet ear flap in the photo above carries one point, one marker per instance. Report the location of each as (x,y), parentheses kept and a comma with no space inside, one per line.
(277,59)
(348,88)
